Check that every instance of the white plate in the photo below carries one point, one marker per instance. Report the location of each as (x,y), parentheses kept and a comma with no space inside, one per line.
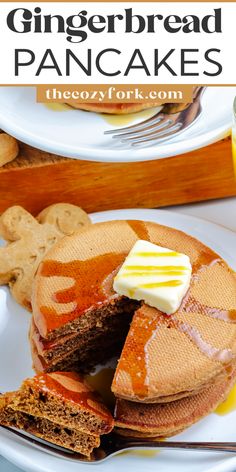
(16,365)
(79,134)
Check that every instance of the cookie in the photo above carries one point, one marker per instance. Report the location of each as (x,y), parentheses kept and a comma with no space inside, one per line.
(29,239)
(66,218)
(9,148)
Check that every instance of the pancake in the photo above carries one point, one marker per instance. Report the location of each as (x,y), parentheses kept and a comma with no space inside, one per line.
(114,108)
(164,358)
(126,108)
(45,429)
(61,408)
(78,353)
(164,420)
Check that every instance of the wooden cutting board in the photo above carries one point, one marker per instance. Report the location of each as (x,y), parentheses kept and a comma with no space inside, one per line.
(37,179)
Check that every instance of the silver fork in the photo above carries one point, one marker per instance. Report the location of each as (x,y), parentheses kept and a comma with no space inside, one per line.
(162,126)
(113,444)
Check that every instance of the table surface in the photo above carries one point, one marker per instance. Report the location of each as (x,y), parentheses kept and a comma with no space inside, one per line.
(218,211)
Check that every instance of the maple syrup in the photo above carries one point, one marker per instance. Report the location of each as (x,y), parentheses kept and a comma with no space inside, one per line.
(143,453)
(86,291)
(80,395)
(139,229)
(228,405)
(101,382)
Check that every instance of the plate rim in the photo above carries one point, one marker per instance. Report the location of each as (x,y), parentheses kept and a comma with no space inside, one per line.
(15,456)
(111,156)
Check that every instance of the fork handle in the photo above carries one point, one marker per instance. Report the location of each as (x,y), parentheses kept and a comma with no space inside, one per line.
(199,446)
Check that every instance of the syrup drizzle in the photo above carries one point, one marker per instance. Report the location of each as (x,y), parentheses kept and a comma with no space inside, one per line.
(220,355)
(86,289)
(139,229)
(101,382)
(45,382)
(156,254)
(168,283)
(135,346)
(150,274)
(191,305)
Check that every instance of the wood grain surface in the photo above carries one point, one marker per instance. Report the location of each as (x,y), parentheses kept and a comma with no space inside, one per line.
(37,179)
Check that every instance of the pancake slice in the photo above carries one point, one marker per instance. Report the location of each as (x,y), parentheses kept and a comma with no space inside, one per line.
(61,408)
(45,429)
(45,395)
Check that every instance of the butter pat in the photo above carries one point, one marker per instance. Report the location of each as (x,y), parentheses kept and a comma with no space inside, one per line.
(157,275)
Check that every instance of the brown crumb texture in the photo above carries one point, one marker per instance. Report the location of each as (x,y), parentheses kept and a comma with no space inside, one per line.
(92,318)
(48,430)
(89,416)
(44,405)
(82,360)
(105,331)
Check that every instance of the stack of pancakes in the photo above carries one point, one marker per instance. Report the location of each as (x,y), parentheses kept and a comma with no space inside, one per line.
(173,370)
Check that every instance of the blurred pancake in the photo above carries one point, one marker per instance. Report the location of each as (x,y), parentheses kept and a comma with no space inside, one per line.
(114,108)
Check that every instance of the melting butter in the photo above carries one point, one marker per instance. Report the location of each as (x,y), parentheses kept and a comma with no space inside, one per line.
(169,283)
(142,453)
(123,120)
(228,405)
(146,453)
(58,106)
(157,254)
(155,267)
(155,274)
(101,382)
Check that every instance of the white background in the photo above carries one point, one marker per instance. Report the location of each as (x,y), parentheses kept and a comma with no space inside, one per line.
(146,42)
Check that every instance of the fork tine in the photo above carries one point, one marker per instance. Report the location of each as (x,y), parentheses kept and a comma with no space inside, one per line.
(141,129)
(172,132)
(160,129)
(138,126)
(44,445)
(153,138)
(146,132)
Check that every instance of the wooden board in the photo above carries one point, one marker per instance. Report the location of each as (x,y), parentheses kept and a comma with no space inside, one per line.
(37,179)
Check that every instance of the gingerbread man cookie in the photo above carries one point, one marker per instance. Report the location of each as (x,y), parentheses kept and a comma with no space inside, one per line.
(9,148)
(29,239)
